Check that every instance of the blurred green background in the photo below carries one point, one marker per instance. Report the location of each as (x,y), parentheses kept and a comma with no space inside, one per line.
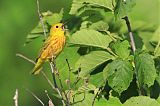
(17,19)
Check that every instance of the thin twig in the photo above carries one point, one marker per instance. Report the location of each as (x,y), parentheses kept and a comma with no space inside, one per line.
(130,33)
(41,19)
(26,58)
(50,103)
(36,97)
(55,83)
(95,97)
(48,80)
(140,91)
(69,82)
(44,75)
(56,72)
(157,46)
(15,98)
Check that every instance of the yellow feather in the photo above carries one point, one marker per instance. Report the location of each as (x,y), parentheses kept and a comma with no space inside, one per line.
(52,46)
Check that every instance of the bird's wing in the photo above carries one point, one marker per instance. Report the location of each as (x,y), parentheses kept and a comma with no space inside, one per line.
(44,46)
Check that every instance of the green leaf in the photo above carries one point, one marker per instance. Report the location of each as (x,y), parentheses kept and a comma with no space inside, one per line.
(158,99)
(119,75)
(145,69)
(113,101)
(99,26)
(101,102)
(93,38)
(83,99)
(97,79)
(141,101)
(92,60)
(48,17)
(71,54)
(156,37)
(85,88)
(122,49)
(123,7)
(78,4)
(53,18)
(158,79)
(36,32)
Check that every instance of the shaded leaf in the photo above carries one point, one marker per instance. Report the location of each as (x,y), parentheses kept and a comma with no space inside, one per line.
(53,18)
(93,38)
(97,79)
(83,99)
(145,69)
(123,7)
(71,54)
(77,4)
(141,101)
(36,32)
(158,79)
(119,75)
(90,61)
(85,88)
(99,26)
(122,49)
(48,18)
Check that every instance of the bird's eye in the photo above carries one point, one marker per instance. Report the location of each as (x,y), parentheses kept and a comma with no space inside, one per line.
(56,26)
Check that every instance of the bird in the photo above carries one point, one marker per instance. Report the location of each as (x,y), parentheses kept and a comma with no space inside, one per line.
(52,47)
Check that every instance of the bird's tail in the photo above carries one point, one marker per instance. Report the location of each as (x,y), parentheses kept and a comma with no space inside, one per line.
(38,67)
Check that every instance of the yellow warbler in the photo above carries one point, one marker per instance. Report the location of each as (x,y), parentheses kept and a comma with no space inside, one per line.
(52,46)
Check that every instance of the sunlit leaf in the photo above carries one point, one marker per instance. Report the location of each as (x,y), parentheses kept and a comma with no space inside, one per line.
(141,101)
(113,101)
(93,38)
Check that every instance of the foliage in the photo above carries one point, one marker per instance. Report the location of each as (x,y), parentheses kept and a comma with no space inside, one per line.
(100,54)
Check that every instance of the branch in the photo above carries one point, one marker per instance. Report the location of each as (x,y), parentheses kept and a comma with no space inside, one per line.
(41,19)
(44,75)
(35,97)
(15,98)
(130,33)
(141,90)
(50,83)
(68,82)
(26,58)
(55,83)
(50,103)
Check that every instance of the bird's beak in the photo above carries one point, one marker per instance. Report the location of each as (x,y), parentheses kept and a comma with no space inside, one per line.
(63,27)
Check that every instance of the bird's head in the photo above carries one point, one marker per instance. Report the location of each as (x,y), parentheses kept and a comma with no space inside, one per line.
(58,27)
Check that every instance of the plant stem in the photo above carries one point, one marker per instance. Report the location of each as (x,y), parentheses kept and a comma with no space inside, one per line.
(130,33)
(68,82)
(55,83)
(36,97)
(41,19)
(15,98)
